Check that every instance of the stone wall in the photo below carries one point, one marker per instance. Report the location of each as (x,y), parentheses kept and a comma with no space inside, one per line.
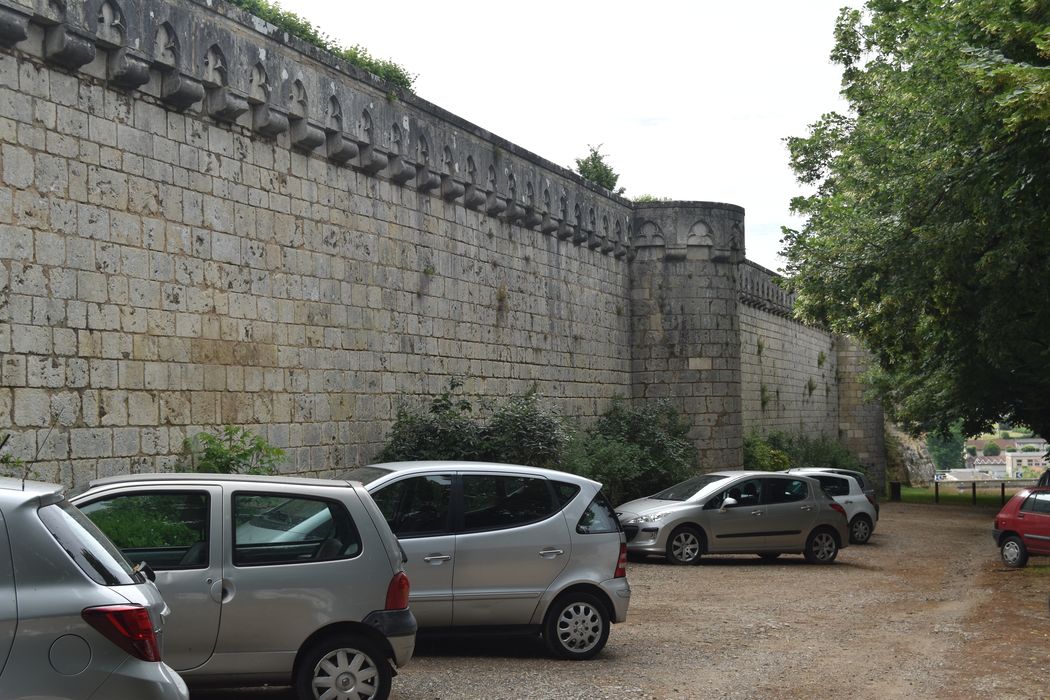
(205,221)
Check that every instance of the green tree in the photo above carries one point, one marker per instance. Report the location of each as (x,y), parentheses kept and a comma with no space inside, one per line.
(929,209)
(232,450)
(594,168)
(991,450)
(946,450)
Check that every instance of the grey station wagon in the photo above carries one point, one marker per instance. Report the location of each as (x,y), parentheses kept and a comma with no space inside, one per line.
(269,579)
(506,547)
(76,620)
(736,512)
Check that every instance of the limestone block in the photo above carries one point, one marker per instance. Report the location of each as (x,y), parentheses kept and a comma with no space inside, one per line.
(86,443)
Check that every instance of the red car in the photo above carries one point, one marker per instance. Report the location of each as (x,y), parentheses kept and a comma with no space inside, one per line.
(1023,526)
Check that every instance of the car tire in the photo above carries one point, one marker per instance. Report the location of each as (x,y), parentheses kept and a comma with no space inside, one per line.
(821,546)
(685,545)
(577,626)
(1013,552)
(860,529)
(351,666)
(768,556)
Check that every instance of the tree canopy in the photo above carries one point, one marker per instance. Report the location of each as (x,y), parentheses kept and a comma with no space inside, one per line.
(926,232)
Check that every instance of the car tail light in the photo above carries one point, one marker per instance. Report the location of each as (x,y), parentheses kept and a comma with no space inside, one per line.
(621,562)
(127,626)
(871,499)
(397,592)
(836,506)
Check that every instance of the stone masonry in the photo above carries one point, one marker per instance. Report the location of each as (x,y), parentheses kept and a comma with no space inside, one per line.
(205,221)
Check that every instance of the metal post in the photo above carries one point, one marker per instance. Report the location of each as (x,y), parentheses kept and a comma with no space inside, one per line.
(973,490)
(1002,493)
(936,491)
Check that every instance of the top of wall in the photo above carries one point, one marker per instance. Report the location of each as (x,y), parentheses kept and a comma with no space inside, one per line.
(213,59)
(759,290)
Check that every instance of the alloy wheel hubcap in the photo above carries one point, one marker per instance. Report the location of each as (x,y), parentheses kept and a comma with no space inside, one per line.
(860,530)
(685,546)
(1011,552)
(345,674)
(579,627)
(823,546)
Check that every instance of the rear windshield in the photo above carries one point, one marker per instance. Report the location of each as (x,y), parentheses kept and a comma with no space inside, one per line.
(684,490)
(86,545)
(366,475)
(599,517)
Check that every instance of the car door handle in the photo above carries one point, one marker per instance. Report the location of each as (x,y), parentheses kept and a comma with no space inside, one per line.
(756,512)
(806,507)
(551,553)
(437,558)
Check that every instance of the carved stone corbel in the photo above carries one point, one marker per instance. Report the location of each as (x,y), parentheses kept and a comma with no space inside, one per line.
(566,231)
(268,120)
(608,245)
(549,224)
(223,104)
(14,26)
(620,250)
(68,48)
(532,218)
(474,197)
(494,205)
(513,213)
(305,136)
(371,161)
(127,69)
(340,149)
(180,91)
(426,180)
(400,171)
(450,189)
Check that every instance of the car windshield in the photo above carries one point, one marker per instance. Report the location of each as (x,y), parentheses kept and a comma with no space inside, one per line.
(684,490)
(366,475)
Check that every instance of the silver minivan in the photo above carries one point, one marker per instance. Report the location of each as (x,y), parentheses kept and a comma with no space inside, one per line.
(76,620)
(270,579)
(506,547)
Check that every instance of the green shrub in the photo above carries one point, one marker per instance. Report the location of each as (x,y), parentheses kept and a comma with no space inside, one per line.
(612,462)
(991,450)
(524,431)
(232,451)
(445,430)
(780,450)
(759,455)
(972,451)
(10,466)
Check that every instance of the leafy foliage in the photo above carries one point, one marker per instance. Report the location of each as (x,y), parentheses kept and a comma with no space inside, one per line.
(991,450)
(946,450)
(929,211)
(10,465)
(594,168)
(633,451)
(299,27)
(780,450)
(232,451)
(133,523)
(649,198)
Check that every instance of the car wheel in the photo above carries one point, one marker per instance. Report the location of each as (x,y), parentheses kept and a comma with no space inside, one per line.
(768,556)
(685,545)
(860,529)
(342,667)
(821,547)
(1013,552)
(577,626)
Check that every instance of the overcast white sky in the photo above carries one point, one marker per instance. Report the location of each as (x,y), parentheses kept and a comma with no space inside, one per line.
(688,99)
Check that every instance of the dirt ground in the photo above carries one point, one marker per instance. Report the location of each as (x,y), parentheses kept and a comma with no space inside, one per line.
(925,610)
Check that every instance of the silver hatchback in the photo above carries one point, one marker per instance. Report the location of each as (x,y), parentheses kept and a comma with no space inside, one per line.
(736,512)
(76,620)
(507,547)
(270,579)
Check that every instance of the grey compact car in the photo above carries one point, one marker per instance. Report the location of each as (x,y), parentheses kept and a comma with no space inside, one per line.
(270,579)
(76,620)
(736,512)
(507,547)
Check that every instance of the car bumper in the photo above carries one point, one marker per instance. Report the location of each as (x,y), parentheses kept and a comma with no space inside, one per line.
(143,680)
(399,627)
(645,540)
(996,534)
(619,592)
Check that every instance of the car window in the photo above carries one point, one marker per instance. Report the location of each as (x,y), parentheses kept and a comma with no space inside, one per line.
(271,529)
(785,490)
(493,502)
(832,485)
(745,493)
(417,506)
(564,492)
(86,545)
(1037,503)
(598,518)
(167,530)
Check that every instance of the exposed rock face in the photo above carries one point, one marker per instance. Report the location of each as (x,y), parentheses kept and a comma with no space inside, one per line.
(907,459)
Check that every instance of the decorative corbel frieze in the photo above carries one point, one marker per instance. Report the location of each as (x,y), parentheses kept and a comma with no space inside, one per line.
(594,240)
(450,189)
(268,120)
(223,104)
(66,47)
(340,149)
(549,224)
(14,26)
(305,136)
(580,236)
(566,231)
(474,197)
(608,245)
(620,250)
(371,161)
(127,69)
(426,180)
(180,91)
(532,218)
(513,213)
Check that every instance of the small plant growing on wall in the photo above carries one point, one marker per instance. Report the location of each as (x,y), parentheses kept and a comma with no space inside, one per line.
(231,450)
(763,394)
(760,347)
(811,386)
(821,358)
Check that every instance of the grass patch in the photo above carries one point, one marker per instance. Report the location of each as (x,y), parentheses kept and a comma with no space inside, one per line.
(951,495)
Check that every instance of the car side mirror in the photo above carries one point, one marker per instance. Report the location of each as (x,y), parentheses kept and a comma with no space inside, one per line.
(728,503)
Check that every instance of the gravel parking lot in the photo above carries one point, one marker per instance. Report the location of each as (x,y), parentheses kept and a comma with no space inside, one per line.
(924,611)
